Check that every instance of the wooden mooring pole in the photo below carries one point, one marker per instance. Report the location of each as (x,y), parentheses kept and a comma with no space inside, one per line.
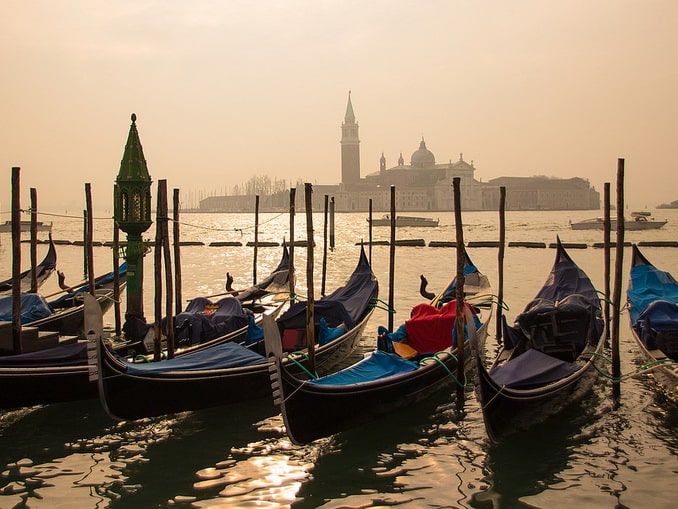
(500,264)
(167,258)
(256,239)
(176,232)
(606,253)
(34,240)
(332,223)
(291,274)
(324,275)
(17,347)
(116,264)
(391,261)
(89,238)
(369,230)
(310,301)
(460,286)
(616,296)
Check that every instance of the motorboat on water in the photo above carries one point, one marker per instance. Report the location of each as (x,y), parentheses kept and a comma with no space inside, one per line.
(638,221)
(405,221)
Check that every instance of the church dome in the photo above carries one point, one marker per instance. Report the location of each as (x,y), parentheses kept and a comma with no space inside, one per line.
(423,157)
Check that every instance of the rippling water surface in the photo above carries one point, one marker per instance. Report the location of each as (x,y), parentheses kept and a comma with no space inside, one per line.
(597,454)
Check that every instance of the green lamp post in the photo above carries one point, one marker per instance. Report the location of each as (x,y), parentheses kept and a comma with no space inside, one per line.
(132,212)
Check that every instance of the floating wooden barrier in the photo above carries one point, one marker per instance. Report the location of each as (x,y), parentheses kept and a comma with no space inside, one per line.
(121,243)
(569,245)
(442,243)
(483,243)
(63,242)
(538,245)
(95,243)
(191,243)
(267,244)
(612,244)
(224,243)
(411,242)
(659,243)
(302,243)
(373,243)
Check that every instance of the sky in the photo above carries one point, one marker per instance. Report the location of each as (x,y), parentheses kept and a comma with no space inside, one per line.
(225,90)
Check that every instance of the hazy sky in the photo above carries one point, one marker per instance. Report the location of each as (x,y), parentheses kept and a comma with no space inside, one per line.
(225,90)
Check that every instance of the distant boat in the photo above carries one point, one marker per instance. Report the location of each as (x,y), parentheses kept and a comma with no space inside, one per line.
(640,221)
(405,221)
(672,205)
(25,226)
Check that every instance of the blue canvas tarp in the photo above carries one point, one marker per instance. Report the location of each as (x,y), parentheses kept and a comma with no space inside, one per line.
(345,305)
(532,368)
(374,366)
(204,320)
(648,284)
(225,355)
(33,307)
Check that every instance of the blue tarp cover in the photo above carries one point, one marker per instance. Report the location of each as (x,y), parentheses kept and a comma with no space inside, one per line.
(226,355)
(345,305)
(66,355)
(33,307)
(648,284)
(210,320)
(532,368)
(373,366)
(661,314)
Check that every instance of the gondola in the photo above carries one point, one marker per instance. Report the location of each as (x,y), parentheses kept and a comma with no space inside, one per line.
(65,314)
(653,296)
(402,371)
(43,271)
(232,372)
(547,359)
(61,373)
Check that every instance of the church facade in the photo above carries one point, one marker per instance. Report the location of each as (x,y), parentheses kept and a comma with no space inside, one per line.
(423,184)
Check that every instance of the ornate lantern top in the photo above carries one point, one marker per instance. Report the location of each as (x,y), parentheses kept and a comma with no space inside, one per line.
(133,200)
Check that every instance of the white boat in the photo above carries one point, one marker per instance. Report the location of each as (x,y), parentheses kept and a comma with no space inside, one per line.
(25,226)
(405,221)
(638,222)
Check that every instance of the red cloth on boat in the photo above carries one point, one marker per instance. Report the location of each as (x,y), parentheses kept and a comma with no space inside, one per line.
(430,329)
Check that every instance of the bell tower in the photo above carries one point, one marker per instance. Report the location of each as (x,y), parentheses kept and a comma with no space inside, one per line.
(350,147)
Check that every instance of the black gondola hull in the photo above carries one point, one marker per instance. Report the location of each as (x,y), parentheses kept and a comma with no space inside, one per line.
(126,396)
(507,411)
(313,411)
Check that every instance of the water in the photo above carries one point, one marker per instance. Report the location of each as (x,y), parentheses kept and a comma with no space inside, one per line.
(436,455)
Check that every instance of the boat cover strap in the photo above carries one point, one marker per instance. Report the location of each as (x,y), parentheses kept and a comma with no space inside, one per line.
(373,366)
(225,355)
(532,368)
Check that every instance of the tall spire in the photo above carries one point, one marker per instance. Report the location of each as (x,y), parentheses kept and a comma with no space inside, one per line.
(349,118)
(350,147)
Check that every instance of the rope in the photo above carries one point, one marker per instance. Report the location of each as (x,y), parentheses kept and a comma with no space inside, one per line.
(436,358)
(294,358)
(649,366)
(251,227)
(378,301)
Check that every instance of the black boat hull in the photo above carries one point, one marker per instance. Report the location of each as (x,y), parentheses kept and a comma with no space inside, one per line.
(126,396)
(335,408)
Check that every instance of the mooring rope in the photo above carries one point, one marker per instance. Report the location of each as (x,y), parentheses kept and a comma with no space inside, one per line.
(435,358)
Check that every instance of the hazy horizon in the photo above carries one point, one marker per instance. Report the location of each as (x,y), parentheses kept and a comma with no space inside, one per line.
(224,91)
